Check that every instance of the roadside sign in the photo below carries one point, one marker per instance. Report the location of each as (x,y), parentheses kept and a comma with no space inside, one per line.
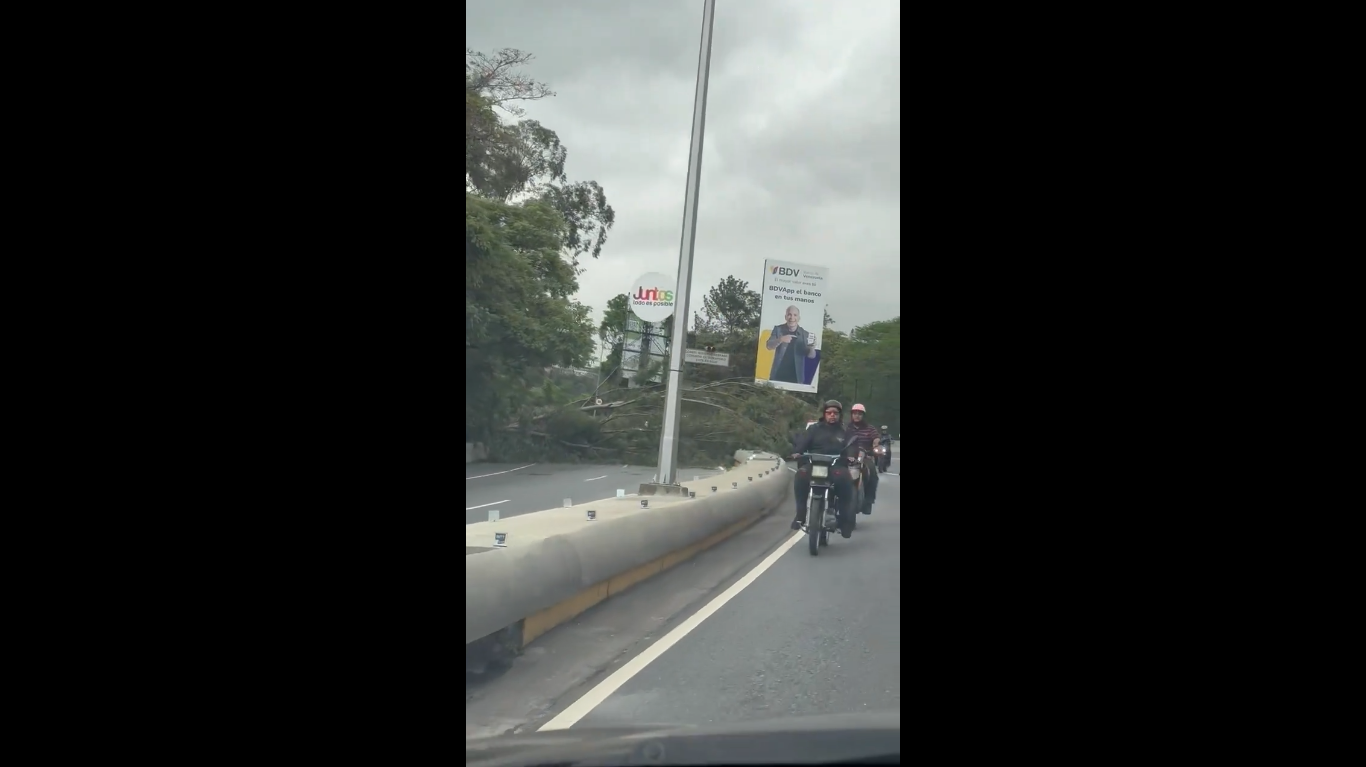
(707,358)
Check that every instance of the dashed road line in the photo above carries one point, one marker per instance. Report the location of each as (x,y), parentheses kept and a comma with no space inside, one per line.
(496,473)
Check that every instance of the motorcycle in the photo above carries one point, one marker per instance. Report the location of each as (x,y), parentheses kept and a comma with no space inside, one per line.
(820,520)
(883,457)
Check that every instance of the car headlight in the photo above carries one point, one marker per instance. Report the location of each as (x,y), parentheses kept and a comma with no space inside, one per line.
(820,471)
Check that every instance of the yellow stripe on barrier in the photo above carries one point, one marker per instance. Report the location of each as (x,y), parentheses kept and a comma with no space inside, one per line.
(535,625)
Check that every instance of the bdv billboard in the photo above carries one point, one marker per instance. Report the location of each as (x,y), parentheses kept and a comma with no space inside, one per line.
(791,318)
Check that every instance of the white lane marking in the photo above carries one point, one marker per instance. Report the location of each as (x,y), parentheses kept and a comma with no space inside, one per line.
(590,480)
(794,471)
(496,473)
(482,505)
(594,697)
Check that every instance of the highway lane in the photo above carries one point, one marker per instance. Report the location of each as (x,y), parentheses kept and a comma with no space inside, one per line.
(809,635)
(803,635)
(515,489)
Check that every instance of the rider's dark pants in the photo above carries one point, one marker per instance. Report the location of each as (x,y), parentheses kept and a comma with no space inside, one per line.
(844,487)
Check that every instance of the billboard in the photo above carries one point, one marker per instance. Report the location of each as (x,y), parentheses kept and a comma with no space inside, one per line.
(791,319)
(645,352)
(699,357)
(651,297)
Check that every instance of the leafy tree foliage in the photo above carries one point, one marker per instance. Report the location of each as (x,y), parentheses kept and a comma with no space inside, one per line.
(729,309)
(525,227)
(525,159)
(728,321)
(865,366)
(612,334)
(518,314)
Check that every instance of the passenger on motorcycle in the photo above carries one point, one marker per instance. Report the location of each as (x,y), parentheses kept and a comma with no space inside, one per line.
(827,436)
(866,438)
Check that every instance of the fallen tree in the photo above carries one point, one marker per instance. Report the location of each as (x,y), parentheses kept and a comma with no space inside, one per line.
(624,425)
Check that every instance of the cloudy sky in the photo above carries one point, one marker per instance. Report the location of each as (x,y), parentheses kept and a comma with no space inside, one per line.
(802,159)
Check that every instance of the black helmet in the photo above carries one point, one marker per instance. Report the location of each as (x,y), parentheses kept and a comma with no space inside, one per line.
(832,403)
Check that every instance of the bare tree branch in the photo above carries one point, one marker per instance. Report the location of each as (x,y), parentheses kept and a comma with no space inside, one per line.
(495,77)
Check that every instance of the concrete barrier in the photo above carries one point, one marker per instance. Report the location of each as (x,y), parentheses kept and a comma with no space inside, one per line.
(474,451)
(514,595)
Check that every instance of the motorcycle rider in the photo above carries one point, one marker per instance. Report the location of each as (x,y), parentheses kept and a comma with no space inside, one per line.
(826,436)
(866,438)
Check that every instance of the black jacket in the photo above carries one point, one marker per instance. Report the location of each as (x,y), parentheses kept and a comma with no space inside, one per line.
(822,438)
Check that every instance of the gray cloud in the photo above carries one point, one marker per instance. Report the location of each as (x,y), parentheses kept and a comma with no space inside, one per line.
(802,159)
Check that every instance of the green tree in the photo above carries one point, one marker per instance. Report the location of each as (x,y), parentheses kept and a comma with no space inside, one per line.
(612,334)
(518,314)
(525,159)
(526,225)
(865,366)
(729,321)
(730,308)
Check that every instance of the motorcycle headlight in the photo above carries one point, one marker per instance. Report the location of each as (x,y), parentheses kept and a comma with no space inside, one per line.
(820,471)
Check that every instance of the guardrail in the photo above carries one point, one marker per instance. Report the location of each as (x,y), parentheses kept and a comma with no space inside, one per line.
(515,594)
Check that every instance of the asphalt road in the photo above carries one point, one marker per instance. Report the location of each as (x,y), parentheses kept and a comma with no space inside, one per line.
(754,628)
(515,489)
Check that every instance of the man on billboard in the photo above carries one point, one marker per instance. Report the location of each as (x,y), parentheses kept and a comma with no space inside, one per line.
(791,346)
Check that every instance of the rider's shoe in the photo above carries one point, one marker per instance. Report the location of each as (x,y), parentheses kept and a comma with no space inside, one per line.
(801,517)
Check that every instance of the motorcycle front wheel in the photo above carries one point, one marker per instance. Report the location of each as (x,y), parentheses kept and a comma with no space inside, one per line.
(815,523)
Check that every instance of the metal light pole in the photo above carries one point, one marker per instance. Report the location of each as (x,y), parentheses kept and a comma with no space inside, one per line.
(668,440)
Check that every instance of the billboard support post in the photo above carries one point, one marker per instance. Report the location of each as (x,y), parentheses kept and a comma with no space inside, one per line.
(668,438)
